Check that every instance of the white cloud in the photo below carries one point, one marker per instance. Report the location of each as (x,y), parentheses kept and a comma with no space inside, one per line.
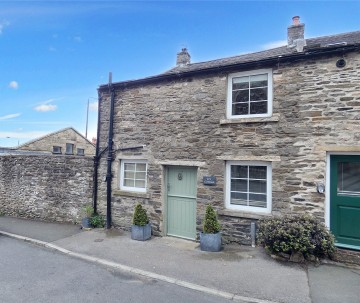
(46,101)
(93,107)
(45,108)
(11,116)
(3,24)
(23,135)
(14,85)
(274,44)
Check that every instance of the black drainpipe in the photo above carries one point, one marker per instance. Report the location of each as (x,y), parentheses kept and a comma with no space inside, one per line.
(109,158)
(96,158)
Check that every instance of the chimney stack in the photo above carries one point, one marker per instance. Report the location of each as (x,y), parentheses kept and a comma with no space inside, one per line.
(183,58)
(296,34)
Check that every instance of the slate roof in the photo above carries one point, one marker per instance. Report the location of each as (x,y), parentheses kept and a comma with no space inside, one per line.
(350,38)
(313,45)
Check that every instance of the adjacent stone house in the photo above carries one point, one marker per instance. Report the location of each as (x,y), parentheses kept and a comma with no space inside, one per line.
(66,141)
(255,135)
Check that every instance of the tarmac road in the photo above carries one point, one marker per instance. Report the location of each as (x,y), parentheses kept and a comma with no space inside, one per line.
(30,273)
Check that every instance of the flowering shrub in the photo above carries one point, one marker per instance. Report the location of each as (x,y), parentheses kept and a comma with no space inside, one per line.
(296,233)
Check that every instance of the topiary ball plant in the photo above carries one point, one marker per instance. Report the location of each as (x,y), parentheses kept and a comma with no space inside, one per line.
(140,217)
(211,223)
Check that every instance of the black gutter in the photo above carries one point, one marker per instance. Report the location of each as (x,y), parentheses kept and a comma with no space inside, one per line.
(96,158)
(109,158)
(250,64)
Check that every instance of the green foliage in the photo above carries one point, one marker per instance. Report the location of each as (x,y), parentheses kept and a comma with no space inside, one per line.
(140,217)
(97,221)
(87,211)
(296,233)
(211,223)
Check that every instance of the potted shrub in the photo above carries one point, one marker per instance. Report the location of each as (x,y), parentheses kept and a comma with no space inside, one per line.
(210,238)
(141,228)
(86,213)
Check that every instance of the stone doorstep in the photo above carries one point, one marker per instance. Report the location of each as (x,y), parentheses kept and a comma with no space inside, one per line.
(347,256)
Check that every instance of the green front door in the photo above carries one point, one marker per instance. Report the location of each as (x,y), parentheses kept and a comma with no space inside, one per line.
(181,201)
(345,200)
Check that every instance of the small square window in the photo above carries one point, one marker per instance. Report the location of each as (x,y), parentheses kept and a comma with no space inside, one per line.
(69,149)
(250,94)
(56,150)
(80,152)
(133,175)
(248,186)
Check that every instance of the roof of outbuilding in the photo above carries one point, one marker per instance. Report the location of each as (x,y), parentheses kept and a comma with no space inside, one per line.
(51,134)
(317,44)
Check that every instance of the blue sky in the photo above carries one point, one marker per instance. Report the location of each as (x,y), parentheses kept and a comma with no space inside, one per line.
(54,54)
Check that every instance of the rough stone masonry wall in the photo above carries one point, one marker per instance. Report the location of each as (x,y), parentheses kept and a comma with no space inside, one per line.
(46,187)
(318,110)
(60,139)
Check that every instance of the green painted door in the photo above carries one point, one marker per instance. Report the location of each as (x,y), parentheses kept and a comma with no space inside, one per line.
(345,200)
(181,201)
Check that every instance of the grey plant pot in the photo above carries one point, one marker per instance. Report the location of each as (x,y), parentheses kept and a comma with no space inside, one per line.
(210,242)
(85,223)
(141,233)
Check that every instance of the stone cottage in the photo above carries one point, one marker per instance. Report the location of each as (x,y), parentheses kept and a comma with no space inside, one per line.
(66,141)
(254,135)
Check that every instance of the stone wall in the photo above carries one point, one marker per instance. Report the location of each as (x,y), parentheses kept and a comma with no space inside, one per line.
(316,109)
(60,138)
(46,187)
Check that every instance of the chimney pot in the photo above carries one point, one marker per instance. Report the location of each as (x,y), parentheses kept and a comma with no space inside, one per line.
(295,35)
(296,20)
(183,58)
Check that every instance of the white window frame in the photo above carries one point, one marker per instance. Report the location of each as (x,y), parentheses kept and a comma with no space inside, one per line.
(244,208)
(270,93)
(128,188)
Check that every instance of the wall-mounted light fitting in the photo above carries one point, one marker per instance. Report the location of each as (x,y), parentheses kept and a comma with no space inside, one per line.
(320,187)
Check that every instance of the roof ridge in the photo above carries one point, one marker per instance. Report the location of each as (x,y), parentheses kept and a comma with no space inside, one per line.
(53,133)
(333,35)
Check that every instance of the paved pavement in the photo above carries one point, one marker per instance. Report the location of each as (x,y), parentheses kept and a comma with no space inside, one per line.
(239,273)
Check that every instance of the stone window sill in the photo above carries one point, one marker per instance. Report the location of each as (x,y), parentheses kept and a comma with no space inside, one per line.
(242,214)
(273,118)
(131,194)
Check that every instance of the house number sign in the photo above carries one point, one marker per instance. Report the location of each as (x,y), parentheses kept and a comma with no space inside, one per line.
(209,180)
